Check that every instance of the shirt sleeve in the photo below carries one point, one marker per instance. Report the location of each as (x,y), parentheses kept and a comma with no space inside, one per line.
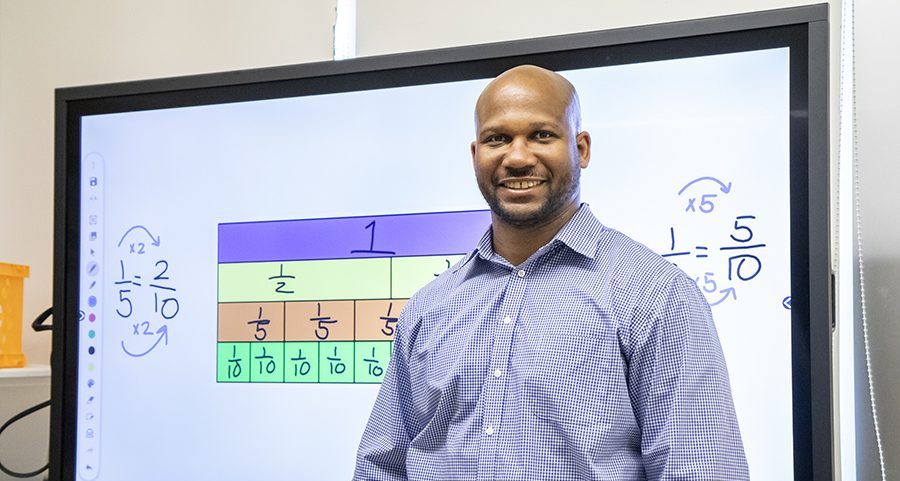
(382,451)
(679,387)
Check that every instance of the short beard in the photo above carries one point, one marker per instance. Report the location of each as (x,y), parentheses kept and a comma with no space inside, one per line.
(554,204)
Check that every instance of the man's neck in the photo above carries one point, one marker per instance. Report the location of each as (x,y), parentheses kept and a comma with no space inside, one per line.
(516,243)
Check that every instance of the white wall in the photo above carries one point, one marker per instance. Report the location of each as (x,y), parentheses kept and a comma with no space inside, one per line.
(878,145)
(46,44)
(404,25)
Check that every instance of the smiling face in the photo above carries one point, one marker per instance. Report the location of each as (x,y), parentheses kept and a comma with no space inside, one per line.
(528,153)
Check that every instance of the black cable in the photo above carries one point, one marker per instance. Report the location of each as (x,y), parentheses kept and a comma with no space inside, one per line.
(38,324)
(10,423)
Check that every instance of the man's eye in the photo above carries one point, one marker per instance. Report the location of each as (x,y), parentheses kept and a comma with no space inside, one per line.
(543,135)
(496,139)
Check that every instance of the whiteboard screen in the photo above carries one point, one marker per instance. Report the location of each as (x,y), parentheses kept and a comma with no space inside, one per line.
(243,264)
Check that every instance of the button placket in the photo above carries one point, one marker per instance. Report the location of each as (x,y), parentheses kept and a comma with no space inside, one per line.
(500,358)
(495,387)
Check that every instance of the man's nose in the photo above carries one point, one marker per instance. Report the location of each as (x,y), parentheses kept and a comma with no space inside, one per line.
(519,154)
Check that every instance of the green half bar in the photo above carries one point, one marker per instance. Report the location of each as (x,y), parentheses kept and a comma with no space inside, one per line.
(233,362)
(336,362)
(301,362)
(266,362)
(371,360)
(409,274)
(305,280)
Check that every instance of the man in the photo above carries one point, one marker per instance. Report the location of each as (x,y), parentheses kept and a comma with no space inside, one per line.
(559,348)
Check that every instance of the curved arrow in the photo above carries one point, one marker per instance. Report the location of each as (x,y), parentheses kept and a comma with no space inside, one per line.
(154,239)
(728,292)
(722,186)
(163,334)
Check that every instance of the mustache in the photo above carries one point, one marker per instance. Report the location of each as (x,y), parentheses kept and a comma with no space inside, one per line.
(520,172)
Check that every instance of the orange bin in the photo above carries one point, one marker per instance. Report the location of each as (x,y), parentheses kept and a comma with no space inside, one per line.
(12,280)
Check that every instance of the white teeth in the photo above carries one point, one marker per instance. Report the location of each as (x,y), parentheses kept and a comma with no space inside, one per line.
(522,184)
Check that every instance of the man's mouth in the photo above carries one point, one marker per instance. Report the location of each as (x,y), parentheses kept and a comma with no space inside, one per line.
(521,184)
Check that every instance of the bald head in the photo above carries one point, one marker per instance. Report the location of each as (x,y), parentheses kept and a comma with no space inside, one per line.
(525,82)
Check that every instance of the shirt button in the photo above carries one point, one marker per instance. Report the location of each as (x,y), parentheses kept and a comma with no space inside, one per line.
(507,320)
(498,373)
(489,430)
(521,273)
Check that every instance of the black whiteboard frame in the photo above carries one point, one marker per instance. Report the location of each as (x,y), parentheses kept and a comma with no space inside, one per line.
(804,29)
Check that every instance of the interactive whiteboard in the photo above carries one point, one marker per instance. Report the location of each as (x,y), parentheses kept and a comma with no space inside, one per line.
(244,264)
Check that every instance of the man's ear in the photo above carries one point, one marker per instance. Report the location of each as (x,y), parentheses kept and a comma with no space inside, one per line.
(583,143)
(473,151)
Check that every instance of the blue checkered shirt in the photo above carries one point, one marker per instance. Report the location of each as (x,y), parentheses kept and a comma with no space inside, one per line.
(595,359)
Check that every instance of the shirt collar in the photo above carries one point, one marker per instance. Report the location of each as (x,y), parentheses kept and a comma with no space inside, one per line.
(581,234)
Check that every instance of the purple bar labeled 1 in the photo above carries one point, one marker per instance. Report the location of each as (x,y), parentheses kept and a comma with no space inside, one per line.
(353,237)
